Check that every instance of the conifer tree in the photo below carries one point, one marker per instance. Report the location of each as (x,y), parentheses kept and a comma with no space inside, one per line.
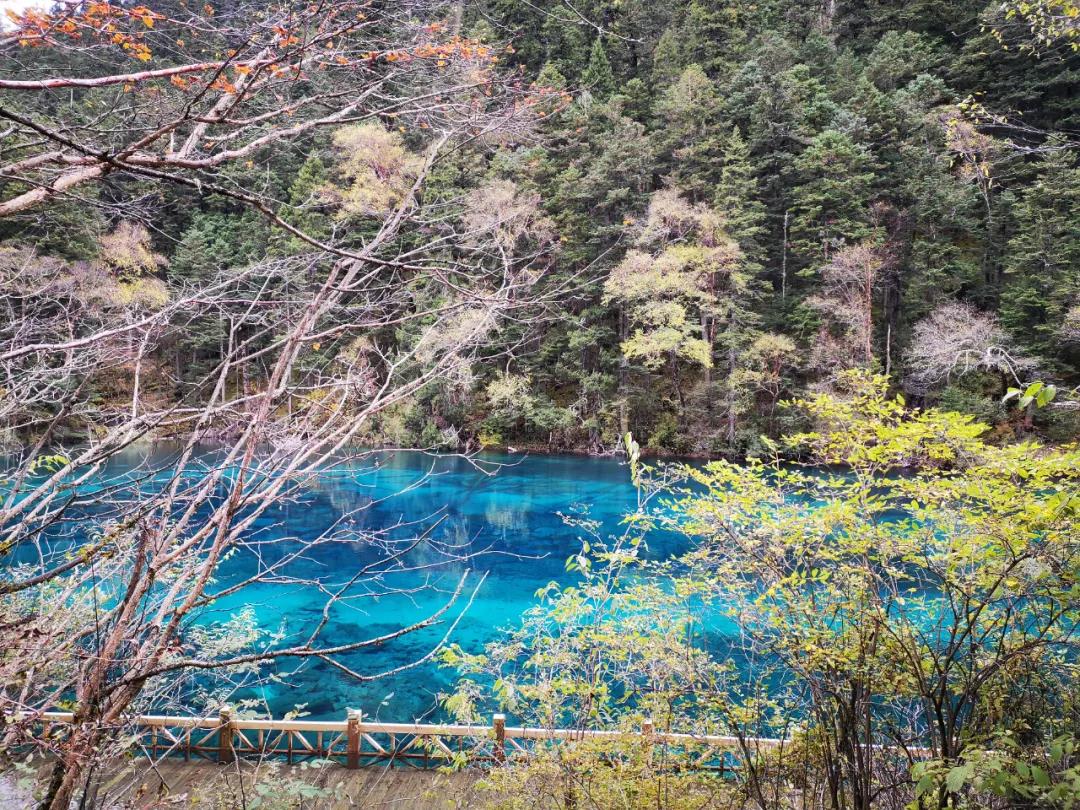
(1042,264)
(832,201)
(565,46)
(667,59)
(715,35)
(305,196)
(598,76)
(690,114)
(551,76)
(737,196)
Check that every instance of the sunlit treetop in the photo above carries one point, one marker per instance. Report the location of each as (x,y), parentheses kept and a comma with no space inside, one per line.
(1050,22)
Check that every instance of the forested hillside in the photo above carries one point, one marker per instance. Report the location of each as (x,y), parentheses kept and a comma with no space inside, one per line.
(723,203)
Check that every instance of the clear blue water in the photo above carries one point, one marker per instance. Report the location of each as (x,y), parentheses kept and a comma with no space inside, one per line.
(509,515)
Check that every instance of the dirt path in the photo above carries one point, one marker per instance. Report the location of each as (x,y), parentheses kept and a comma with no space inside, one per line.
(180,784)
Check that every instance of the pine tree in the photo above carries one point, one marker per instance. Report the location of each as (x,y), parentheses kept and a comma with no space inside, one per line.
(690,116)
(216,241)
(636,100)
(668,58)
(715,36)
(1042,264)
(550,76)
(832,201)
(305,199)
(565,46)
(598,76)
(737,196)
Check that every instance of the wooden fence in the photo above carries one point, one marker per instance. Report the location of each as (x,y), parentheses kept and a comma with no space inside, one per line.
(356,742)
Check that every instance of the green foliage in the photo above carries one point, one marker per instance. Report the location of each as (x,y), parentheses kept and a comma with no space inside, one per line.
(943,133)
(1050,21)
(689,113)
(900,56)
(598,77)
(48,463)
(969,400)
(216,241)
(1038,393)
(307,203)
(847,593)
(831,203)
(1006,771)
(1041,282)
(738,197)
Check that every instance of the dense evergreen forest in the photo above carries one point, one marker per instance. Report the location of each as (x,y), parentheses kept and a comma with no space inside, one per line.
(778,191)
(731,202)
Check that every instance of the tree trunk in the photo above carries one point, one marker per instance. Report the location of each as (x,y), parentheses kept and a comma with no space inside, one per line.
(68,769)
(624,373)
(783,258)
(731,416)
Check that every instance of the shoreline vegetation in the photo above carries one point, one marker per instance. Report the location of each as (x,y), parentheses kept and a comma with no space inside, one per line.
(846,588)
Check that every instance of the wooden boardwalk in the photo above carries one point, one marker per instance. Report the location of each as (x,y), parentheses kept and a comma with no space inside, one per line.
(223,762)
(174,783)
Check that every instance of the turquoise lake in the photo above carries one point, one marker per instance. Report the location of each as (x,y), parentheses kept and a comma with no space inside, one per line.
(504,509)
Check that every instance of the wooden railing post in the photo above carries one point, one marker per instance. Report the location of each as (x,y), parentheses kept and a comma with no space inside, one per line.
(498,723)
(226,752)
(647,732)
(352,751)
